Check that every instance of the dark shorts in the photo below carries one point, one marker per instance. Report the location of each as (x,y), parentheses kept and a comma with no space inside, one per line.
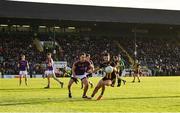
(137,71)
(112,78)
(120,72)
(89,75)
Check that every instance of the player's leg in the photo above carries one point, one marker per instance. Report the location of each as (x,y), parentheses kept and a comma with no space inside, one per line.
(55,78)
(123,75)
(90,82)
(134,77)
(48,79)
(121,80)
(138,74)
(86,86)
(105,83)
(120,76)
(113,82)
(47,74)
(20,78)
(102,92)
(124,81)
(71,81)
(118,79)
(81,85)
(25,77)
(98,86)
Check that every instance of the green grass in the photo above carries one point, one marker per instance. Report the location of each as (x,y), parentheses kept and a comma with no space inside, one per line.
(153,94)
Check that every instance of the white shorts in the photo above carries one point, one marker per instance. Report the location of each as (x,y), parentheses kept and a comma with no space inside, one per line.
(21,73)
(49,72)
(81,76)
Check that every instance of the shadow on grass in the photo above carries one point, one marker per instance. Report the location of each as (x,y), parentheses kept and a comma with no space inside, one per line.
(42,101)
(26,89)
(142,97)
(62,100)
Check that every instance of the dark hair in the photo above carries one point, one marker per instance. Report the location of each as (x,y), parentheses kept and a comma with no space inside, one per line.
(106,54)
(48,53)
(115,56)
(88,55)
(82,54)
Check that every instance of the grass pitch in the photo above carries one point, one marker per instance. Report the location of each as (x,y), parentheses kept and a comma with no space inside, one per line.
(153,94)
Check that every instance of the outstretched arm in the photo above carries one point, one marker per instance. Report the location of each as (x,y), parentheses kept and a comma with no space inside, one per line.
(96,69)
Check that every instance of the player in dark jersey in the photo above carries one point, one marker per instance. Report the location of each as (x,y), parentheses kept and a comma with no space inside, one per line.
(50,71)
(136,67)
(79,70)
(88,58)
(108,78)
(23,66)
(120,67)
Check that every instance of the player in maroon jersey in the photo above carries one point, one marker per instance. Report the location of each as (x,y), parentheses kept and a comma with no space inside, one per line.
(79,70)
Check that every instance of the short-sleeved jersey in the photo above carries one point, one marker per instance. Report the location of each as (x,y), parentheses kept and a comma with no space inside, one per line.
(23,65)
(81,67)
(48,61)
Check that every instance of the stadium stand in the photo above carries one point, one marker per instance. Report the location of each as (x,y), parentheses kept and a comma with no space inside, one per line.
(13,47)
(158,54)
(161,55)
(106,29)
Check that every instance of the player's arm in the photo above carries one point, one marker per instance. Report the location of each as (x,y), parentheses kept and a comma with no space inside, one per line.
(18,65)
(96,69)
(74,74)
(27,65)
(92,67)
(73,70)
(103,89)
(92,64)
(115,67)
(50,63)
(90,70)
(124,66)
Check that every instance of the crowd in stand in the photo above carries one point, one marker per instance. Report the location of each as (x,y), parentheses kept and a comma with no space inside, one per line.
(71,47)
(12,48)
(161,55)
(158,54)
